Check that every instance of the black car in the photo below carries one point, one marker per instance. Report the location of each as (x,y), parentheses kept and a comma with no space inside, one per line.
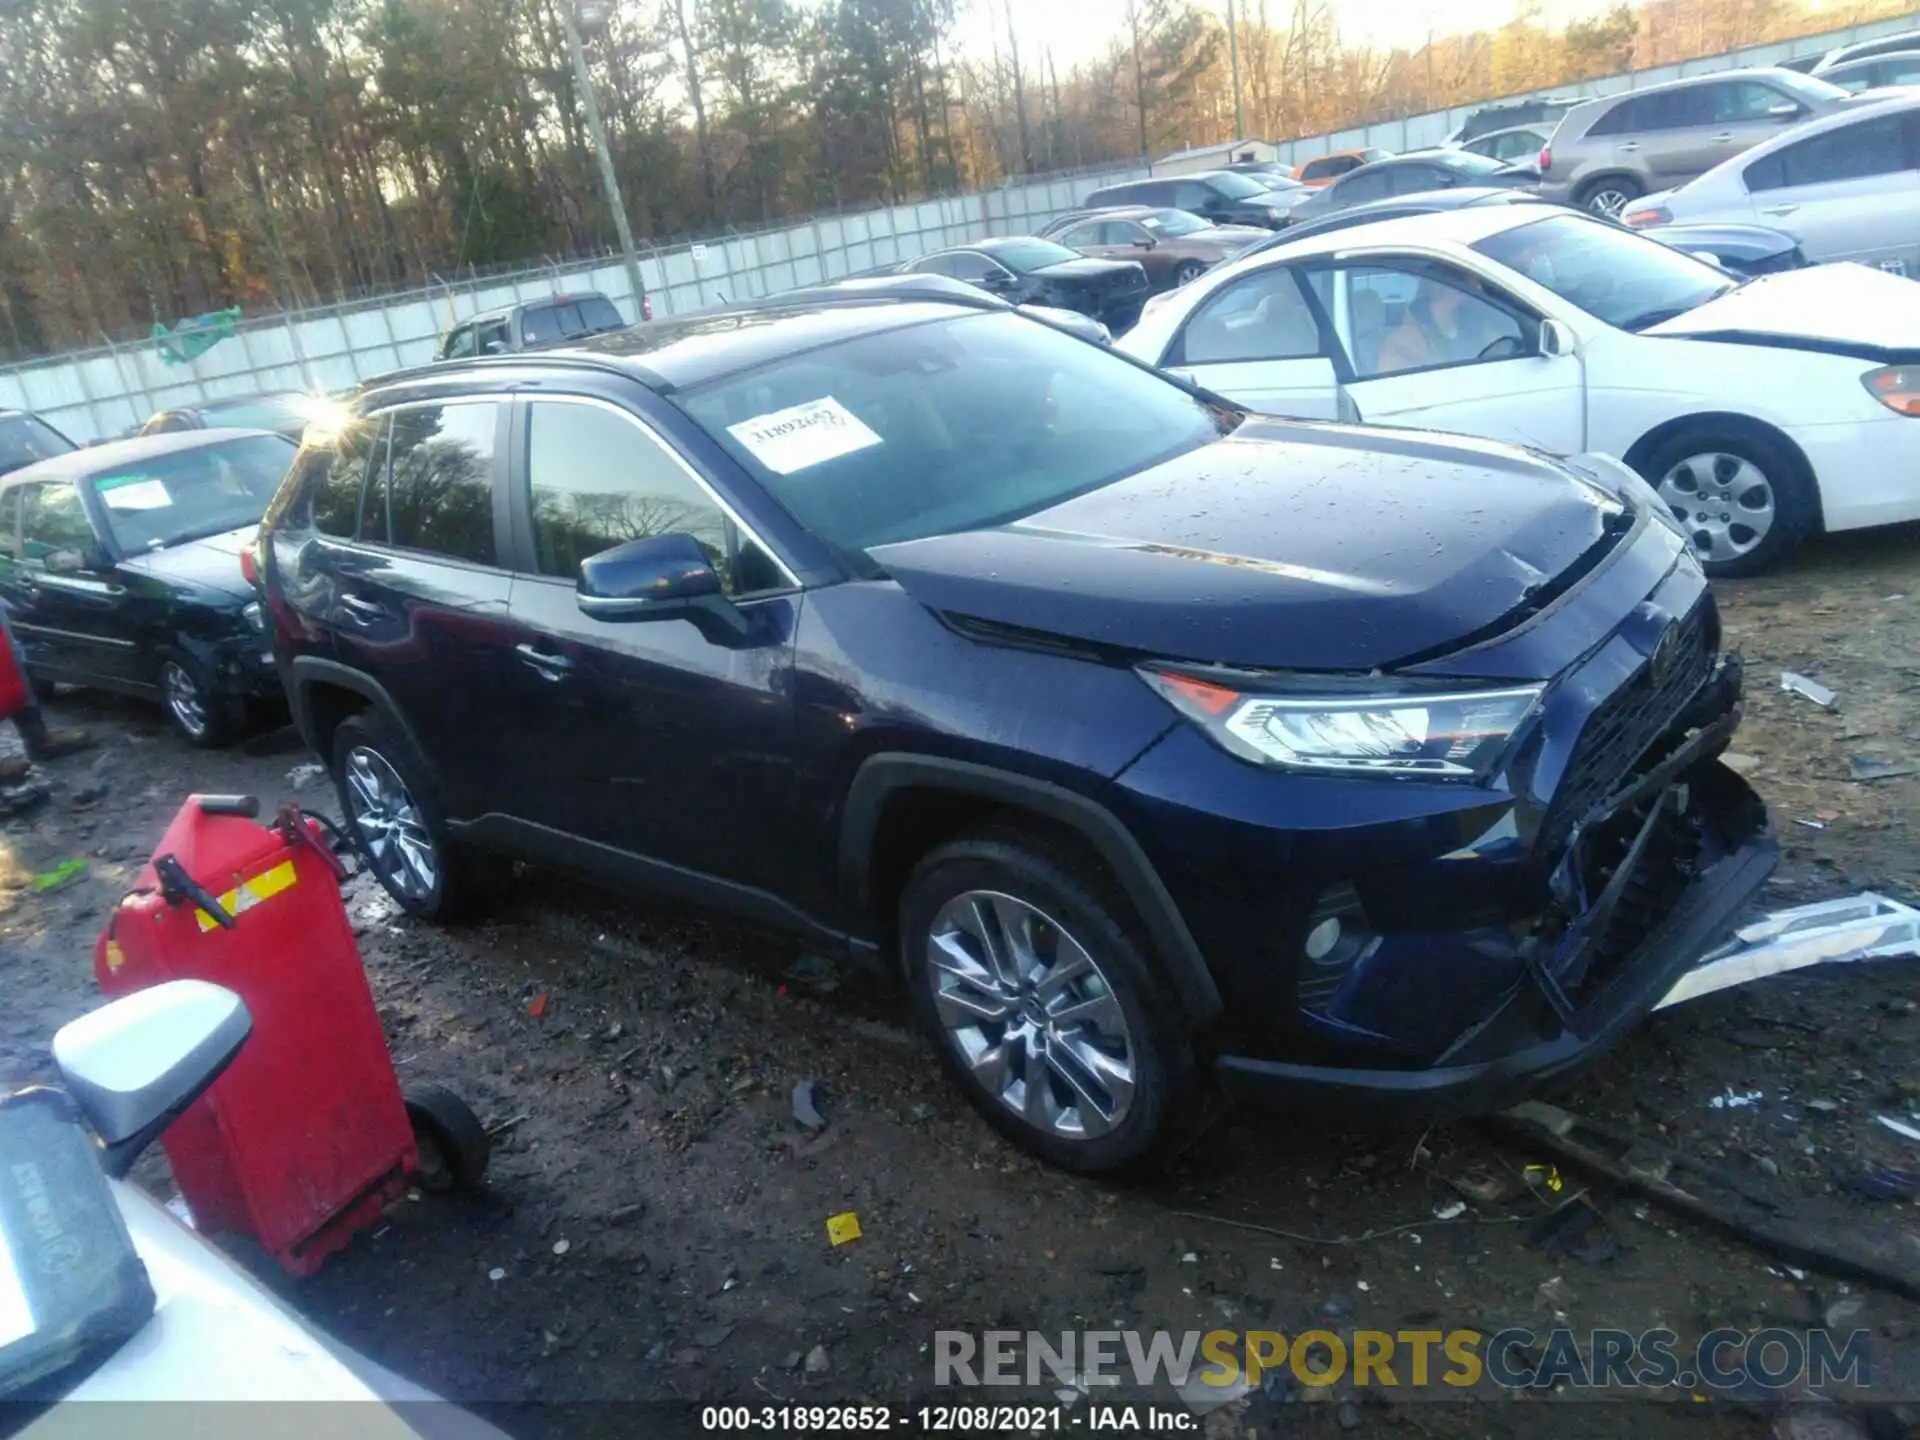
(1218,196)
(285,412)
(1030,271)
(1742,249)
(26,438)
(120,567)
(1153,744)
(556,320)
(1509,115)
(1410,174)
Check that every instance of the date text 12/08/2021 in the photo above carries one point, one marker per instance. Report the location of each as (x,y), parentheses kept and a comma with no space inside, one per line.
(946,1419)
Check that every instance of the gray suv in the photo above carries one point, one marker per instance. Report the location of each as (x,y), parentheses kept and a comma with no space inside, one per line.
(1609,151)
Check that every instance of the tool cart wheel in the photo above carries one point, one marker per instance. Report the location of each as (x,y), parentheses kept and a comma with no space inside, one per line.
(452,1142)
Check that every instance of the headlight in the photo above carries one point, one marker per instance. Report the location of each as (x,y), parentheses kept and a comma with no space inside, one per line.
(254,616)
(1451,734)
(1895,386)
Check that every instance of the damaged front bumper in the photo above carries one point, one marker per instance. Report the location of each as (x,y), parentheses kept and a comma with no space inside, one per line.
(1581,986)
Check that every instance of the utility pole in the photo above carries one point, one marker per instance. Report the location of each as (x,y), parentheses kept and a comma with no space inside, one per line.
(1233,57)
(591,15)
(1139,78)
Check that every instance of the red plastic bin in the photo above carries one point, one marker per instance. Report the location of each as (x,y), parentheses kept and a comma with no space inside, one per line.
(305,1138)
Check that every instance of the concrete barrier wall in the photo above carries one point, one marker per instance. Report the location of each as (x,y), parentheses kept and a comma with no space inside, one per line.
(96,394)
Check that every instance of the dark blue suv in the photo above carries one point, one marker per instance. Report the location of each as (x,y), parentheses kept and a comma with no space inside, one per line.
(1161,747)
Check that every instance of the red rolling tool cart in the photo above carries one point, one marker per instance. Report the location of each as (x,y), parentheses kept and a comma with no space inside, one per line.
(307,1136)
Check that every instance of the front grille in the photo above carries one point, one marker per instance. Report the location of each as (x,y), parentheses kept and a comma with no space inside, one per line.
(1628,723)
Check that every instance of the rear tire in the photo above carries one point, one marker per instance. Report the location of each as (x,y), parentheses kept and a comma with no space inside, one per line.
(1044,1002)
(1609,195)
(1187,272)
(1744,497)
(391,807)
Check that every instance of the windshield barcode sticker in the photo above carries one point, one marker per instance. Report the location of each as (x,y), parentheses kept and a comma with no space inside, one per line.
(803,435)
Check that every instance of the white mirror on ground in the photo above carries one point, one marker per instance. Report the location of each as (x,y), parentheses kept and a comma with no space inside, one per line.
(133,1065)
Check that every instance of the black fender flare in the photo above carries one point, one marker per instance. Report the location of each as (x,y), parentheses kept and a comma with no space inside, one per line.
(884,775)
(306,671)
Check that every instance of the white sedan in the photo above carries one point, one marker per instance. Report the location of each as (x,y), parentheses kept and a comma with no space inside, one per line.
(1845,185)
(1762,410)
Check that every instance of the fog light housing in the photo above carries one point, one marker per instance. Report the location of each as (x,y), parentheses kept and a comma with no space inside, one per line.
(1337,937)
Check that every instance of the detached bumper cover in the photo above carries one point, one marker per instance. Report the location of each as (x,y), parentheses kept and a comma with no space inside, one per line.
(1561,1019)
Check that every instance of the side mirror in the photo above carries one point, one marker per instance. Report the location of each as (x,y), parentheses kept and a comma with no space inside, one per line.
(1556,340)
(996,280)
(134,1065)
(1784,110)
(641,577)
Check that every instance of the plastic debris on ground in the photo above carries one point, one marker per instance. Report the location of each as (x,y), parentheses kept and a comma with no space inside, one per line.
(1867,926)
(1547,1175)
(1899,1127)
(804,1109)
(1869,768)
(61,876)
(301,776)
(1879,1183)
(843,1228)
(1737,1099)
(537,1006)
(1798,684)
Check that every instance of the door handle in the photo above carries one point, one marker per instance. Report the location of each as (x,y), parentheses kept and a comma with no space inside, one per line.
(543,664)
(1725,137)
(365,609)
(1629,146)
(1779,209)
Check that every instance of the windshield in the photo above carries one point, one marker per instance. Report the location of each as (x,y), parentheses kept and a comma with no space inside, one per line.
(1025,255)
(1235,187)
(1173,223)
(1614,275)
(1465,162)
(1809,87)
(27,438)
(946,426)
(190,494)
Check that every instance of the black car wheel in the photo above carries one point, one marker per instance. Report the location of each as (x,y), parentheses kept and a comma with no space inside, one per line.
(1610,195)
(1045,1004)
(388,797)
(1744,498)
(201,715)
(1187,272)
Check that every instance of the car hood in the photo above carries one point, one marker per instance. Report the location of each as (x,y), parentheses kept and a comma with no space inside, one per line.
(1085,268)
(1285,545)
(1846,309)
(212,563)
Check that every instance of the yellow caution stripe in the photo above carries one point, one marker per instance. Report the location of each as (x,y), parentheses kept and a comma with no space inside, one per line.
(249,893)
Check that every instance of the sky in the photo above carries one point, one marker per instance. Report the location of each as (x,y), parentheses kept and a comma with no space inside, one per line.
(1077,30)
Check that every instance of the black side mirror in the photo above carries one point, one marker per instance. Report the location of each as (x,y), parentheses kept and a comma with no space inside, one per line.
(663,577)
(997,280)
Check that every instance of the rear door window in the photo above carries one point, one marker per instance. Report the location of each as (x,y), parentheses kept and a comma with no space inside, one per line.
(1742,101)
(1261,317)
(1355,189)
(1851,152)
(540,325)
(436,482)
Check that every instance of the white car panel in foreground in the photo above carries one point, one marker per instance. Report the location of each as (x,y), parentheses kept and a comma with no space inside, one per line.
(1762,411)
(1845,185)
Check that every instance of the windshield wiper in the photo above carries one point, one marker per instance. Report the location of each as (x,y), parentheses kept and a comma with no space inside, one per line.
(1647,319)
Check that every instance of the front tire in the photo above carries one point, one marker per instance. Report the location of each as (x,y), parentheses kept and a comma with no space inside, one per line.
(1187,272)
(1045,1004)
(1744,498)
(389,801)
(199,713)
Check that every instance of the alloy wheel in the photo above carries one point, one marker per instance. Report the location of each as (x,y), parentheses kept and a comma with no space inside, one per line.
(391,826)
(1031,1015)
(1608,200)
(185,701)
(1725,502)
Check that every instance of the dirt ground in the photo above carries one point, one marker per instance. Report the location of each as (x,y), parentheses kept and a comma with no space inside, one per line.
(655,1224)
